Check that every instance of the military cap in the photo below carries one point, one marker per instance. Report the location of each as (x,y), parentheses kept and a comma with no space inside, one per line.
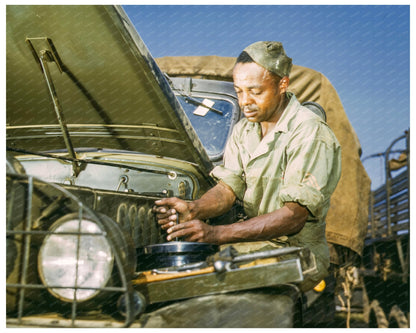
(271,56)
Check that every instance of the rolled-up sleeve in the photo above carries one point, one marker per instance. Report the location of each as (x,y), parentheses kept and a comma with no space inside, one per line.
(234,181)
(305,195)
(312,172)
(231,172)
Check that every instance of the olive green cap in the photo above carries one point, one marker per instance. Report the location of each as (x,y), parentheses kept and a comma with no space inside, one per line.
(271,56)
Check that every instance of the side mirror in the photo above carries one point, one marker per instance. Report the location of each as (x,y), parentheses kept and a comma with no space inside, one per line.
(316,108)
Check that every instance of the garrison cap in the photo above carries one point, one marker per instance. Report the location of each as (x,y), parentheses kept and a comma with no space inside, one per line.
(271,56)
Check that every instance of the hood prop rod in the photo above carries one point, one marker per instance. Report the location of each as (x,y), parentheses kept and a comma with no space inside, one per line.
(44,57)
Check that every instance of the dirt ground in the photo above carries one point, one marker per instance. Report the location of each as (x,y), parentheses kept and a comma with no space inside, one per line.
(355,321)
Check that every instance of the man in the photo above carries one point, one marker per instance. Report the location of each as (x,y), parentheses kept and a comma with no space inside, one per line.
(282,161)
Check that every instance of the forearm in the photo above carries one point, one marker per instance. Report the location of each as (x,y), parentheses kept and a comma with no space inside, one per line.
(285,221)
(215,202)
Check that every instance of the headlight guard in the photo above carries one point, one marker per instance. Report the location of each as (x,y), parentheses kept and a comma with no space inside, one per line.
(99,260)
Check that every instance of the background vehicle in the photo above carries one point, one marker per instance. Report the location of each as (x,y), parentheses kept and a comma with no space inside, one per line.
(381,290)
(95,133)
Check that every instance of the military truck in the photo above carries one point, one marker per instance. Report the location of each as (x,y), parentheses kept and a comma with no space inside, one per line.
(96,131)
(381,287)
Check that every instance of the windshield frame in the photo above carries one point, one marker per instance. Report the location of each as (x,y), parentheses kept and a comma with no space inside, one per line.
(213,90)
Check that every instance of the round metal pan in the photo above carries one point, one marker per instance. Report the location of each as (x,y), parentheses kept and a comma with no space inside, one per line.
(174,254)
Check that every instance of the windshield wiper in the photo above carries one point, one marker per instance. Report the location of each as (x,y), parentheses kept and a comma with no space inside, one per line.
(191,99)
(198,103)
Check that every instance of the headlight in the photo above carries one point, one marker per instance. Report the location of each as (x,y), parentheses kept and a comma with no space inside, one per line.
(75,260)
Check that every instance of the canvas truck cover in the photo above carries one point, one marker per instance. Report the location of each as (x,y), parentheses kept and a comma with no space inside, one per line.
(348,214)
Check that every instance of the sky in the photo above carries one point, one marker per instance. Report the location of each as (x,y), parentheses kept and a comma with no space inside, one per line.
(364,50)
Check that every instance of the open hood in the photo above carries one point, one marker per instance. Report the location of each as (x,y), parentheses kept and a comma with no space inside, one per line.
(81,77)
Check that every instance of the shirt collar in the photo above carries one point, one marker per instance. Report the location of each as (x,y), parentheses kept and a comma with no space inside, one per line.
(289,112)
(283,123)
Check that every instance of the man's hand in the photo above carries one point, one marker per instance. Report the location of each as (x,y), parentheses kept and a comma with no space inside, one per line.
(193,231)
(218,200)
(167,211)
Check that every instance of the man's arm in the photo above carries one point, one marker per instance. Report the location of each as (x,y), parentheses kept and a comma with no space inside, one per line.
(284,221)
(215,202)
(287,220)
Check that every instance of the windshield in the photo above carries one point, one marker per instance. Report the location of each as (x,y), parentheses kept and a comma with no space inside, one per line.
(212,127)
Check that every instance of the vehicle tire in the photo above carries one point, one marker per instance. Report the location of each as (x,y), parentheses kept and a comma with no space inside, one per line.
(397,319)
(377,318)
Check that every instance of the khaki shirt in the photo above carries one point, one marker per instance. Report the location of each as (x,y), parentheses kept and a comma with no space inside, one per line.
(299,161)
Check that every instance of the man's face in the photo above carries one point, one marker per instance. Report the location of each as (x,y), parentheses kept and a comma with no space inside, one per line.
(258,92)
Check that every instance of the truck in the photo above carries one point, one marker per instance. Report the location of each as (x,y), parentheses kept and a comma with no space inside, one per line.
(381,289)
(97,130)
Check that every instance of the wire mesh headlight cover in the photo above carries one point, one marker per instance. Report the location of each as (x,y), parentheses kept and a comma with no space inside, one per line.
(75,257)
